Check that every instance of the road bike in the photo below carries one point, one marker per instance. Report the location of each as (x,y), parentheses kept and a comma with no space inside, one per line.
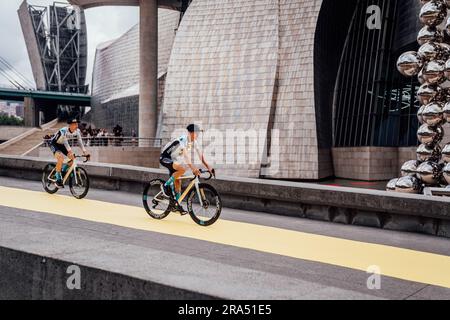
(204,204)
(77,177)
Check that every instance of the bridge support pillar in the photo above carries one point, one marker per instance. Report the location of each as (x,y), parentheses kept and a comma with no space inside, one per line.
(31,112)
(148,97)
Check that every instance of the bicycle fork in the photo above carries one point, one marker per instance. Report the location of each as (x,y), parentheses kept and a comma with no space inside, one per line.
(200,194)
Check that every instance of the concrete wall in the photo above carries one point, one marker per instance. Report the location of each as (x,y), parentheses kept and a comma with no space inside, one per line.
(371,163)
(366,163)
(28,276)
(141,157)
(9,132)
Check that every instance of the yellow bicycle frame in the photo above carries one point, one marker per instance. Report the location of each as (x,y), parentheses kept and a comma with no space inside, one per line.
(194,182)
(66,177)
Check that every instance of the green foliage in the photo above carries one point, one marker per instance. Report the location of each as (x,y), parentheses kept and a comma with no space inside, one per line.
(6,120)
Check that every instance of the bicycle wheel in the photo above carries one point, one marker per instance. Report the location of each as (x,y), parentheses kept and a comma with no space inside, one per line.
(207,210)
(155,202)
(79,187)
(48,182)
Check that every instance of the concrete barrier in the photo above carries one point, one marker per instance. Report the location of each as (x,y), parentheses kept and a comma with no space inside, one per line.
(412,213)
(23,135)
(9,132)
(27,276)
(146,157)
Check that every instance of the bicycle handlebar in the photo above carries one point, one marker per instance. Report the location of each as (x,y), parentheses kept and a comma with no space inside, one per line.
(88,157)
(211,175)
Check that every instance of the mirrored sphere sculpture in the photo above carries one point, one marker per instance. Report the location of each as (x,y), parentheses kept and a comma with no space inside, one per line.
(392,185)
(446,111)
(429,34)
(425,153)
(408,184)
(427,135)
(446,153)
(429,173)
(433,71)
(446,173)
(409,64)
(431,65)
(433,13)
(409,168)
(427,93)
(433,114)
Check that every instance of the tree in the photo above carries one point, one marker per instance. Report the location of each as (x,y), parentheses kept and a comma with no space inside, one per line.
(6,120)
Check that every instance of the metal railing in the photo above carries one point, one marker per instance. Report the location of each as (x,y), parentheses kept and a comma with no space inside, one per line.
(104,142)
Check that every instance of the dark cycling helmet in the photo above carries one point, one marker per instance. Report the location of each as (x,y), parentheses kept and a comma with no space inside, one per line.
(70,121)
(193,128)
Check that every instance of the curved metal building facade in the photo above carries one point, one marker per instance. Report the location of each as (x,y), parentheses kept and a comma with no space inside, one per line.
(115,79)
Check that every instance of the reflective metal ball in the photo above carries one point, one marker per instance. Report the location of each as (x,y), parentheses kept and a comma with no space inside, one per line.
(446,173)
(427,93)
(409,168)
(433,13)
(408,184)
(427,34)
(444,52)
(420,115)
(446,111)
(445,154)
(425,153)
(420,77)
(429,51)
(409,64)
(433,114)
(433,71)
(447,69)
(392,185)
(429,172)
(430,136)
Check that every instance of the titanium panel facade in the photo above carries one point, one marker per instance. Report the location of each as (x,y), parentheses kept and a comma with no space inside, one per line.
(222,75)
(115,80)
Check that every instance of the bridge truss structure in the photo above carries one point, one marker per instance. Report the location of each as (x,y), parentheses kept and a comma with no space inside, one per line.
(59,39)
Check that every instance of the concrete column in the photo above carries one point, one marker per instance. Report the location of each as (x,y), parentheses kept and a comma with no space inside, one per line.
(31,113)
(148,99)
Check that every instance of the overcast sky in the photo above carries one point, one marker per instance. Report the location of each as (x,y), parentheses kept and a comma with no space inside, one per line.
(103,24)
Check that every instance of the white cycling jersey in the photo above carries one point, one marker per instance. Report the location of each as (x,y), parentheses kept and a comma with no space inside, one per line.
(64,135)
(175,148)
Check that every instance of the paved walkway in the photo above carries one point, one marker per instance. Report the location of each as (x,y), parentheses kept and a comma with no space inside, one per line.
(246,255)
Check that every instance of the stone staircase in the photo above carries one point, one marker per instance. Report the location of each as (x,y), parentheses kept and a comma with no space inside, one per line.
(29,142)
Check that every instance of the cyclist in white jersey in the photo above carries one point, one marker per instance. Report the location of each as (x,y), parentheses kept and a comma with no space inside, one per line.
(60,147)
(176,158)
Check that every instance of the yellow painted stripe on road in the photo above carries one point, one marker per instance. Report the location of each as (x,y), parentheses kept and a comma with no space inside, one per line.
(395,262)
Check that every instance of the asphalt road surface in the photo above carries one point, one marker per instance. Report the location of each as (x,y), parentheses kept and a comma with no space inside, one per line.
(246,255)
